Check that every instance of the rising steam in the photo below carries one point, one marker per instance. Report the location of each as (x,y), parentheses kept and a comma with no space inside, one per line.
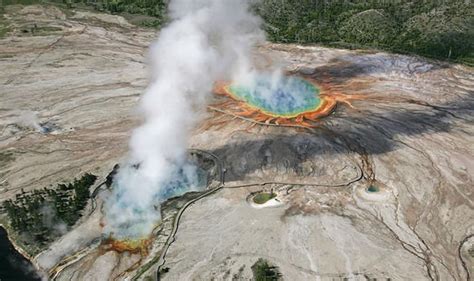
(206,41)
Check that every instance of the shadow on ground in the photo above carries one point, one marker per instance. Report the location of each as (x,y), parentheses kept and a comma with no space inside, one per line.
(375,131)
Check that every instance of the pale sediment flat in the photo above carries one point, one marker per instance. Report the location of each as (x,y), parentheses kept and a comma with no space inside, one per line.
(83,78)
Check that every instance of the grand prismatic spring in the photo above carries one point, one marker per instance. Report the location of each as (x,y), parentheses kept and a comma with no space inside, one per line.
(289,100)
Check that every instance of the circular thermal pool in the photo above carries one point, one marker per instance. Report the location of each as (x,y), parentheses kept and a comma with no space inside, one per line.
(374,191)
(285,97)
(277,100)
(264,199)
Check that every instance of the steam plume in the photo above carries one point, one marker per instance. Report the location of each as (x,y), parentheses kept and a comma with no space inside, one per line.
(29,119)
(206,41)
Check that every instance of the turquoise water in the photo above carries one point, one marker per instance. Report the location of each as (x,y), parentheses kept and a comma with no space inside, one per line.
(134,212)
(289,96)
(372,189)
(182,183)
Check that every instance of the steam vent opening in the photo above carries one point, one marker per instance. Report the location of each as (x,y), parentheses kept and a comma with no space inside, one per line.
(282,100)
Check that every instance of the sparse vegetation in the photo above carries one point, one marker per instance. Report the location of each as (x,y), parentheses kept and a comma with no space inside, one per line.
(42,215)
(153,12)
(263,197)
(437,29)
(263,271)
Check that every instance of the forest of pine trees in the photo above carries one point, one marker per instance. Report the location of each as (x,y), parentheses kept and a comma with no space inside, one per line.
(44,214)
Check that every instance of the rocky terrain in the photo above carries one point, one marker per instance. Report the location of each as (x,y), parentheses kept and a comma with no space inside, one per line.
(66,73)
(381,188)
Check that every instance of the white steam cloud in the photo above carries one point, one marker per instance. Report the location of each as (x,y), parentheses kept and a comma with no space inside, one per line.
(206,41)
(29,119)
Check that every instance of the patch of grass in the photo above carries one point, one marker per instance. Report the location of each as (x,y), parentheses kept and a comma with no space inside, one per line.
(263,197)
(263,271)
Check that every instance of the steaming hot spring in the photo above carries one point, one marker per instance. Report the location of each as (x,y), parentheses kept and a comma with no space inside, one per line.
(131,221)
(133,213)
(284,100)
